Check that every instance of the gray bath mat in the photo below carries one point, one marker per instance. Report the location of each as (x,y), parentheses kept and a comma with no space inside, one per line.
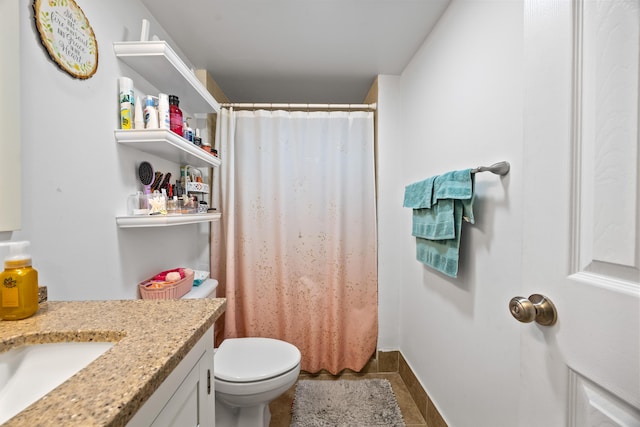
(345,403)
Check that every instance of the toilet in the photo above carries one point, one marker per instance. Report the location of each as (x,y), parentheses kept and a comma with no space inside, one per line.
(249,373)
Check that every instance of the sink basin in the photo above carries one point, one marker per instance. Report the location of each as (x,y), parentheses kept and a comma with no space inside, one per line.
(29,372)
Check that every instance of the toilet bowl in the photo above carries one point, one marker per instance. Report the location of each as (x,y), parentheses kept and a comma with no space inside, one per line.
(248,374)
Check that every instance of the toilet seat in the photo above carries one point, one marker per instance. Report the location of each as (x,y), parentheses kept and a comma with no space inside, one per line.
(244,360)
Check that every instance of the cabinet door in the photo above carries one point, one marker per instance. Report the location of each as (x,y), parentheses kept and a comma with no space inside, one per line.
(186,397)
(193,402)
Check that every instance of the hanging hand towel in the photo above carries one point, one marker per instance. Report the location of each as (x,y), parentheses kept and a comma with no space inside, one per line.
(444,255)
(438,228)
(419,194)
(437,223)
(429,221)
(453,185)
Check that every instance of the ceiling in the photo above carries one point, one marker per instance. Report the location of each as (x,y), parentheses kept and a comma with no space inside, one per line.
(298,51)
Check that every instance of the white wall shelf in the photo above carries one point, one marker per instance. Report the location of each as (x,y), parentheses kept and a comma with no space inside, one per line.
(167,145)
(157,62)
(143,221)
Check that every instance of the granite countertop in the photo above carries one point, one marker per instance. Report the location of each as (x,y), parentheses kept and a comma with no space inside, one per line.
(151,336)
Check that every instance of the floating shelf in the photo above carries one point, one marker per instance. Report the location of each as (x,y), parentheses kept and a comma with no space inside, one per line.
(167,145)
(142,221)
(157,62)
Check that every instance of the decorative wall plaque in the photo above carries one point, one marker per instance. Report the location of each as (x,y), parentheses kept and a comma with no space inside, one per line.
(66,33)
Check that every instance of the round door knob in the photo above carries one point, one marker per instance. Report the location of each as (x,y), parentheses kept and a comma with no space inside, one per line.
(522,309)
(537,307)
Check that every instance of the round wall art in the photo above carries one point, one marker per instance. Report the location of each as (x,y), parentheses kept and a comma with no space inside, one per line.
(66,33)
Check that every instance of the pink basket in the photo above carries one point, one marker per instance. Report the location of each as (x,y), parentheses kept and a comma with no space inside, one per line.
(172,290)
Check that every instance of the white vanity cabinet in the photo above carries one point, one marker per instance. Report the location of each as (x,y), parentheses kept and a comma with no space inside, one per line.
(186,398)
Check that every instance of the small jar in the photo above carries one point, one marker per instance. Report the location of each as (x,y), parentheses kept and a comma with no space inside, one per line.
(172,205)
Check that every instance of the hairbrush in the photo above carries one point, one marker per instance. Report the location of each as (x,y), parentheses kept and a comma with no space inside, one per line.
(156,181)
(166,181)
(145,173)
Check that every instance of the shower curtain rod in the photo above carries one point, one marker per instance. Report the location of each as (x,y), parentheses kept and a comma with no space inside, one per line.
(286,106)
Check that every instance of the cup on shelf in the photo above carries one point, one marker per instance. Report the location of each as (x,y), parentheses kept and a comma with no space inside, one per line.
(137,204)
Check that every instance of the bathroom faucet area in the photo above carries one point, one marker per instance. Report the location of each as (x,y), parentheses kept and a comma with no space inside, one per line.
(146,343)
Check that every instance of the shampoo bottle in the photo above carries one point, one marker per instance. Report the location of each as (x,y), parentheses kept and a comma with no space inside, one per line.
(150,113)
(18,284)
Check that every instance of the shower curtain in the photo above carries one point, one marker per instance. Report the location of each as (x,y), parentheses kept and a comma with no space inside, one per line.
(299,232)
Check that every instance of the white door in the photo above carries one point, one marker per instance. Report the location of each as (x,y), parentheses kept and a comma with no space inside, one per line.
(581,225)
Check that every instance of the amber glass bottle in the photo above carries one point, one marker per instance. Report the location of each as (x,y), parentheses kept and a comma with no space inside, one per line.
(18,285)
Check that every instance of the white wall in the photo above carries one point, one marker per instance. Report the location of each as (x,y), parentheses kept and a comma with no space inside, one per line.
(389,192)
(461,104)
(76,178)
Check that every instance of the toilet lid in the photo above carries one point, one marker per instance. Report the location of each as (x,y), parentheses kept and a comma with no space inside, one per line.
(254,359)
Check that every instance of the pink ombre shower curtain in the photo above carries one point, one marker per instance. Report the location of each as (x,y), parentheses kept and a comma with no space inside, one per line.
(299,232)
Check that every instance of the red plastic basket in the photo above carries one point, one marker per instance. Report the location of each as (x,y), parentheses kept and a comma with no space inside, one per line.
(172,290)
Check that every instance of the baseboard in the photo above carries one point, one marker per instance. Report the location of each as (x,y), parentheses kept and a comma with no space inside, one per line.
(394,361)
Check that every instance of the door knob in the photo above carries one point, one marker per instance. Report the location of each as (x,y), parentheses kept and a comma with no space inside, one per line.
(537,307)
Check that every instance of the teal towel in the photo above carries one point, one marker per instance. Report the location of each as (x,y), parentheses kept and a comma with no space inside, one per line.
(437,223)
(443,255)
(453,185)
(418,195)
(437,229)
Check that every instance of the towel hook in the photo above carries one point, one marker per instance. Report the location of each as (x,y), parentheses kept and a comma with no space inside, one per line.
(500,168)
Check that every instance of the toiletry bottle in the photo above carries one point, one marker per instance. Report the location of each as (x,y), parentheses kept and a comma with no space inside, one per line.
(175,115)
(164,117)
(150,113)
(138,117)
(187,131)
(126,102)
(18,284)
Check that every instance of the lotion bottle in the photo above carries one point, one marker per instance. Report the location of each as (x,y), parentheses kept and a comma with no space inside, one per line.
(18,284)
(163,111)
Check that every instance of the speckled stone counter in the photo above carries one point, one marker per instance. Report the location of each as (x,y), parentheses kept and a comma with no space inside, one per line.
(151,336)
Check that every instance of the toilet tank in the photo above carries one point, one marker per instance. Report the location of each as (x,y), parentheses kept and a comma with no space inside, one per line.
(206,289)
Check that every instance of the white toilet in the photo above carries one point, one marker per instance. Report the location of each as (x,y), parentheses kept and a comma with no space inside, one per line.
(249,374)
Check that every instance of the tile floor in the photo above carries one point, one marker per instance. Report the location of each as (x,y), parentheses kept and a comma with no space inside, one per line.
(281,407)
